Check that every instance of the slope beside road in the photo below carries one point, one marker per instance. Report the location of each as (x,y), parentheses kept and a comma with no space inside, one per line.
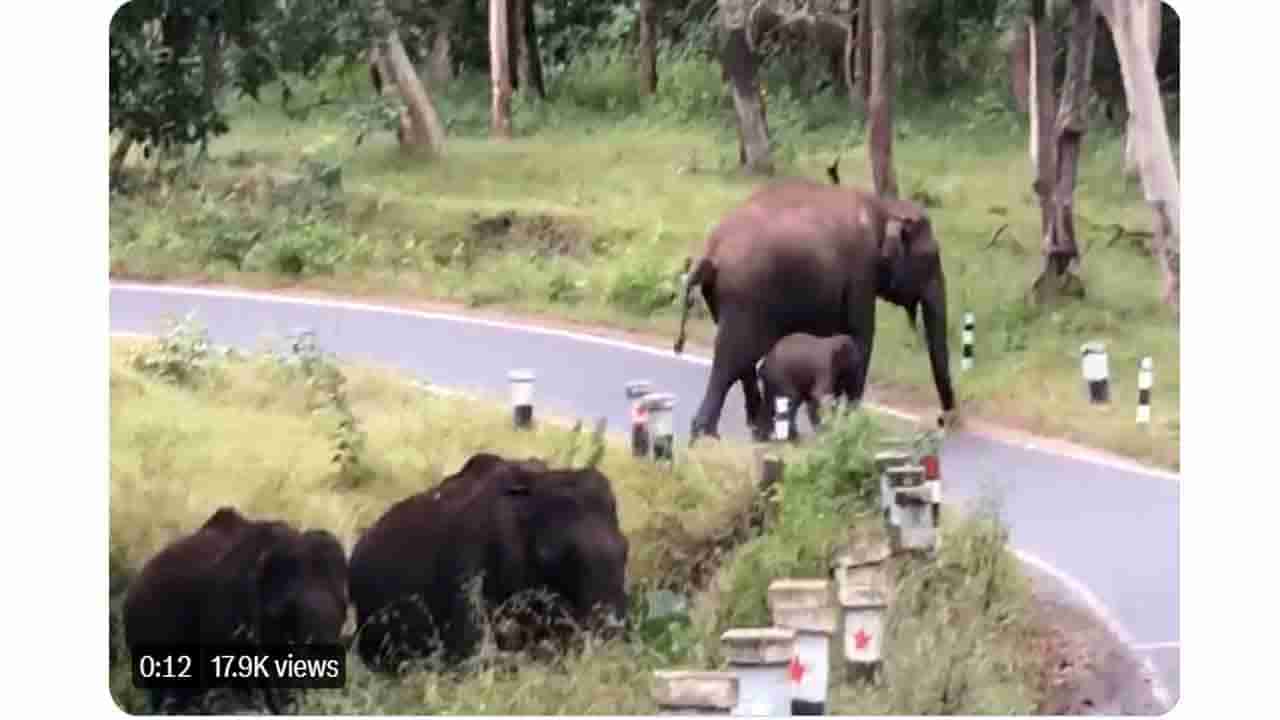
(1103,534)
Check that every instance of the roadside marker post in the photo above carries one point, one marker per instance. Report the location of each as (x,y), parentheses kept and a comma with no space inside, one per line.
(1144,391)
(807,607)
(521,398)
(761,658)
(884,460)
(966,336)
(862,587)
(661,406)
(911,526)
(637,390)
(782,430)
(692,692)
(1093,366)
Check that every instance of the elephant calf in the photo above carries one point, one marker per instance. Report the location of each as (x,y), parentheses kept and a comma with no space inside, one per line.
(235,581)
(519,528)
(805,369)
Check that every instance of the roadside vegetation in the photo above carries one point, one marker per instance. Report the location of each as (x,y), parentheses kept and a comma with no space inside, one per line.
(195,426)
(588,214)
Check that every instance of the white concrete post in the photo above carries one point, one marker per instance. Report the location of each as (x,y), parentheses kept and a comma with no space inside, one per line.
(761,658)
(966,349)
(686,692)
(862,587)
(884,460)
(1093,366)
(808,607)
(1144,391)
(911,525)
(782,419)
(661,407)
(521,397)
(636,392)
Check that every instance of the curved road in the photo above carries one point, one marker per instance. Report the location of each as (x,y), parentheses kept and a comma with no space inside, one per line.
(1107,533)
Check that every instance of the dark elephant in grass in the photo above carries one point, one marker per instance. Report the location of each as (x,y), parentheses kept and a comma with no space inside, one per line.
(802,256)
(236,581)
(807,369)
(517,528)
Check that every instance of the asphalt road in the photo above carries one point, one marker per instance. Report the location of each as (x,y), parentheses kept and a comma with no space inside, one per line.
(1107,534)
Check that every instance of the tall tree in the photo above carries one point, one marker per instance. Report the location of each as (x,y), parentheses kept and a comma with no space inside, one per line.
(423,128)
(1154,151)
(524,38)
(1062,162)
(499,70)
(739,63)
(862,51)
(647,46)
(1146,22)
(881,103)
(440,56)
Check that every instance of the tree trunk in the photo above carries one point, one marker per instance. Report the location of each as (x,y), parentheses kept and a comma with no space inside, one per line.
(862,75)
(1019,62)
(1146,21)
(440,62)
(499,70)
(118,156)
(528,64)
(1155,153)
(881,102)
(1059,238)
(739,64)
(648,46)
(514,38)
(424,128)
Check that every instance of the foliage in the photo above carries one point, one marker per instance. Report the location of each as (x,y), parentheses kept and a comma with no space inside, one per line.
(182,355)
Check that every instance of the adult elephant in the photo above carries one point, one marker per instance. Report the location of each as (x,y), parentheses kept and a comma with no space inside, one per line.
(801,256)
(235,582)
(518,527)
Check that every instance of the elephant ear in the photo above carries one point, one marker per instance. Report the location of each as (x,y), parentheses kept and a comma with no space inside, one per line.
(904,221)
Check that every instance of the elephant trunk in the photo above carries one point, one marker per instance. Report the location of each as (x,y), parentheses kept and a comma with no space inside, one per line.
(934,305)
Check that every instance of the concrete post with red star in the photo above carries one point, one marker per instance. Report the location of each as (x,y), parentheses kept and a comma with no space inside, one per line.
(808,608)
(911,514)
(761,658)
(637,390)
(862,589)
(692,692)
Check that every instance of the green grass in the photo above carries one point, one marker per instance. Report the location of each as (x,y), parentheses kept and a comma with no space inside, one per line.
(192,432)
(604,206)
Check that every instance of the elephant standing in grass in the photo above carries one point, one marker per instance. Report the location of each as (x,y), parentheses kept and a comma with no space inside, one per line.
(801,256)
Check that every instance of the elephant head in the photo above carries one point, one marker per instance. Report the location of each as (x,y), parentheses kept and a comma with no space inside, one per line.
(575,546)
(909,274)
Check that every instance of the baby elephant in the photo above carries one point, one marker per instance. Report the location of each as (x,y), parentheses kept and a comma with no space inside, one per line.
(805,369)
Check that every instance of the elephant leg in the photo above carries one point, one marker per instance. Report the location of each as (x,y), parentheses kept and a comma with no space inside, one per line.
(793,411)
(763,419)
(751,398)
(739,345)
(815,417)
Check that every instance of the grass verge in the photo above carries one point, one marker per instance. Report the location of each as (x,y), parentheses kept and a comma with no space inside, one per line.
(193,429)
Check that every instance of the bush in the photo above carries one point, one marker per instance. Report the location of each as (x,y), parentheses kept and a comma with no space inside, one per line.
(182,356)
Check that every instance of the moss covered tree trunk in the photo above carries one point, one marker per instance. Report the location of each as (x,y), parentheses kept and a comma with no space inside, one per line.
(881,102)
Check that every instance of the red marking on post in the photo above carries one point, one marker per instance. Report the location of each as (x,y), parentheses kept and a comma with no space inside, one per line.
(861,639)
(639,415)
(932,468)
(796,669)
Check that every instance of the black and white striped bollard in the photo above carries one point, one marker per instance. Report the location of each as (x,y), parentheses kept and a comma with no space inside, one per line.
(808,608)
(966,338)
(692,692)
(782,419)
(661,407)
(1093,365)
(761,658)
(637,390)
(1144,392)
(522,398)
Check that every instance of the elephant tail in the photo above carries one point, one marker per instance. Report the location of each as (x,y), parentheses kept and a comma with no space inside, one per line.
(702,273)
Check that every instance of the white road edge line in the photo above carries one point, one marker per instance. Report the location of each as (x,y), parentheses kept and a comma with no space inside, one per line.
(1158,688)
(1132,467)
